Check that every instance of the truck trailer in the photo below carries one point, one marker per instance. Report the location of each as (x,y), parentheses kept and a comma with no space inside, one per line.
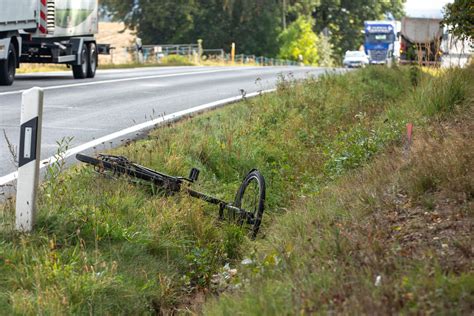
(421,41)
(48,31)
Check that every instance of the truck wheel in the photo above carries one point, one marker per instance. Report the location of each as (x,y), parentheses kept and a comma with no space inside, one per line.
(80,71)
(93,60)
(8,67)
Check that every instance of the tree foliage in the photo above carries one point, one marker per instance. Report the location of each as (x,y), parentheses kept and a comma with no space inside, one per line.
(300,40)
(459,16)
(298,8)
(325,51)
(254,25)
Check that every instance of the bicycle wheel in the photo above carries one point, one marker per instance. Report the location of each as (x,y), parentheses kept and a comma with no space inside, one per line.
(251,198)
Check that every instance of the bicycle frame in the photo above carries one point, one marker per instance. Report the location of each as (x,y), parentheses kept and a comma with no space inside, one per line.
(222,205)
(121,165)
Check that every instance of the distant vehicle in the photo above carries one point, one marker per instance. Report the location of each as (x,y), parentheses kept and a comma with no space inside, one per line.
(456,52)
(425,41)
(381,42)
(355,59)
(421,40)
(48,31)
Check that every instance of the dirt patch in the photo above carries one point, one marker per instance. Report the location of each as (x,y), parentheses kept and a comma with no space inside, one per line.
(444,232)
(425,209)
(118,36)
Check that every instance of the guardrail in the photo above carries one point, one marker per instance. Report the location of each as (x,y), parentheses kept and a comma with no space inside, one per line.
(171,49)
(264,61)
(196,54)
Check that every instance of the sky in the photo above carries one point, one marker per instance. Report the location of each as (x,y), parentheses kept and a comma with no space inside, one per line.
(425,8)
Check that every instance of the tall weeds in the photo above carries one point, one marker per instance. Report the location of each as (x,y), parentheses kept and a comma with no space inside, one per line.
(391,236)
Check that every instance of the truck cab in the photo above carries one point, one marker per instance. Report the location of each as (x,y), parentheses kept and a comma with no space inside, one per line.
(381,42)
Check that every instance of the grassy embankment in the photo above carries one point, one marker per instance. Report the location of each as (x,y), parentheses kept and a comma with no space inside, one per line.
(355,221)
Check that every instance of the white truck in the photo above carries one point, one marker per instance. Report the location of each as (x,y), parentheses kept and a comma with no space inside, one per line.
(48,31)
(421,40)
(428,42)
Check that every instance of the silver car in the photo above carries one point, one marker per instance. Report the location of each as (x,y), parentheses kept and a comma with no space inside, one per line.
(355,59)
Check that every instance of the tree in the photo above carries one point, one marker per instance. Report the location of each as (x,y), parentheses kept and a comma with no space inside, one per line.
(299,8)
(166,20)
(325,51)
(459,17)
(300,40)
(254,25)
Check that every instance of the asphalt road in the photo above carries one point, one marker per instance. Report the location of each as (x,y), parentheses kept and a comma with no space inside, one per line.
(117,99)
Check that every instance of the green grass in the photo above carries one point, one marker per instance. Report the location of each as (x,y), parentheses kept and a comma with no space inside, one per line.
(324,146)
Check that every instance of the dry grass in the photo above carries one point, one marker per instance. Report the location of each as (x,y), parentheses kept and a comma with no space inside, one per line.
(370,244)
(392,237)
(32,68)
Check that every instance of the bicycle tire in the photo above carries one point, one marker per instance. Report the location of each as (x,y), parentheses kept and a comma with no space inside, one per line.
(134,170)
(253,176)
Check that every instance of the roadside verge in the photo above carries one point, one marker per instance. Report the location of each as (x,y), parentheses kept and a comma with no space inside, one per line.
(107,245)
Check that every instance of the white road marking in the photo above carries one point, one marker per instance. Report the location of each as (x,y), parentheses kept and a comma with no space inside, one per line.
(92,83)
(164,119)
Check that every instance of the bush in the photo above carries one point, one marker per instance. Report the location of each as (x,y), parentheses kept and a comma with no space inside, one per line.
(300,40)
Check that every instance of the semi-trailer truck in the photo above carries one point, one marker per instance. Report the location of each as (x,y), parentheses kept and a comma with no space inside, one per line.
(48,31)
(381,42)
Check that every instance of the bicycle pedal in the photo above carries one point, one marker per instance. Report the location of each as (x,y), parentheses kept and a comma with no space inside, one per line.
(194,174)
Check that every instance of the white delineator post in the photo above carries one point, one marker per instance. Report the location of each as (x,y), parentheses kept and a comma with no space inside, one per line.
(29,158)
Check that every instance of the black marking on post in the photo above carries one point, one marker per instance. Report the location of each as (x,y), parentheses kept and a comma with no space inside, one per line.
(33,124)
